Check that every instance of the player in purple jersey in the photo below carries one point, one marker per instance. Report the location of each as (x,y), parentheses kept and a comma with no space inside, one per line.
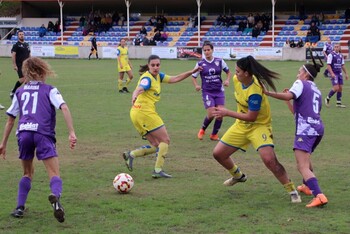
(309,127)
(335,66)
(35,104)
(213,93)
(327,49)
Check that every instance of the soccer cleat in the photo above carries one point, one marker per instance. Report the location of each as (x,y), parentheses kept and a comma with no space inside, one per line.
(18,212)
(121,91)
(326,102)
(160,174)
(2,107)
(200,134)
(128,160)
(214,137)
(125,89)
(58,210)
(319,201)
(339,105)
(295,197)
(304,189)
(232,181)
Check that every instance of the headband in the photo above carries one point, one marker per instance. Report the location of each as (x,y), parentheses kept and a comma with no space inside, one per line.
(308,71)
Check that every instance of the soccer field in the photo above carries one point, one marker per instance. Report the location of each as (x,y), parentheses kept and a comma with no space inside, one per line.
(194,201)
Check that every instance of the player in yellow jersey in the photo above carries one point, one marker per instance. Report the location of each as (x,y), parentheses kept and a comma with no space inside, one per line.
(253,124)
(145,118)
(124,66)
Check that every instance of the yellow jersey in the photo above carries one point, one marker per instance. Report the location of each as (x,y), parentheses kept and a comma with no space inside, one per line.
(253,98)
(123,54)
(152,87)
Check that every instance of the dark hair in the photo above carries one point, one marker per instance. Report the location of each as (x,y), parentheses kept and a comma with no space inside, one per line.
(208,43)
(20,31)
(253,67)
(144,68)
(313,69)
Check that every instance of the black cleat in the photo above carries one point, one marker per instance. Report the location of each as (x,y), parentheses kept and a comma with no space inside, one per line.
(18,212)
(58,210)
(121,91)
(125,89)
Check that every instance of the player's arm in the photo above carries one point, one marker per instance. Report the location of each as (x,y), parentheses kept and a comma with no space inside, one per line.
(345,72)
(226,69)
(182,76)
(329,67)
(13,54)
(136,93)
(8,128)
(69,122)
(194,79)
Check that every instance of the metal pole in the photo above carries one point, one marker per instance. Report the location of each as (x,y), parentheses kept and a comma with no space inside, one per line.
(61,19)
(273,22)
(199,3)
(128,3)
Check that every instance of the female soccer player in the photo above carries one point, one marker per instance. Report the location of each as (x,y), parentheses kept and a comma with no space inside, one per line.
(145,118)
(35,104)
(213,93)
(252,126)
(309,127)
(124,66)
(335,65)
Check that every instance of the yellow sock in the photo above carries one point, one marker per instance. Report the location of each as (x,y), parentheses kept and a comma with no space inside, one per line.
(235,171)
(127,81)
(162,151)
(144,150)
(120,84)
(289,187)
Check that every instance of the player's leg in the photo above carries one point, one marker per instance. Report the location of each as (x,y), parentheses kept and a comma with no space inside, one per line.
(335,88)
(120,82)
(209,105)
(128,80)
(339,94)
(18,83)
(219,102)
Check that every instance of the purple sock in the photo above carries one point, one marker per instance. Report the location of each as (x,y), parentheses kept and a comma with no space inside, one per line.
(217,125)
(206,122)
(56,186)
(339,94)
(24,187)
(331,93)
(312,183)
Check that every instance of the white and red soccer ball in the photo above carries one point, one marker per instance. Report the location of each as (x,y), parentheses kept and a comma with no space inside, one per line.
(123,183)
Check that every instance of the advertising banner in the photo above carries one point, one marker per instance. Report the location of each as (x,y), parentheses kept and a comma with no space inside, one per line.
(66,51)
(315,52)
(109,52)
(240,52)
(165,52)
(268,53)
(222,52)
(189,52)
(42,51)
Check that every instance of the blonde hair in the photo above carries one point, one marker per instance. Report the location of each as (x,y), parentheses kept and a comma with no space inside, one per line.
(36,69)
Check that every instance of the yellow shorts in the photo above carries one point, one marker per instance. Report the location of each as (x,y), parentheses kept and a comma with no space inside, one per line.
(241,135)
(145,122)
(125,68)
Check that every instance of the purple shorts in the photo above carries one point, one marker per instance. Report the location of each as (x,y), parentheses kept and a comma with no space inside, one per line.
(306,143)
(338,80)
(30,142)
(213,99)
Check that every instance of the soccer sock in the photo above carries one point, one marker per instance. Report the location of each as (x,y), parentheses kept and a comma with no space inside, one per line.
(235,172)
(17,85)
(120,84)
(312,183)
(217,126)
(206,122)
(90,55)
(127,82)
(339,94)
(96,55)
(24,187)
(290,187)
(330,94)
(163,150)
(56,186)
(143,150)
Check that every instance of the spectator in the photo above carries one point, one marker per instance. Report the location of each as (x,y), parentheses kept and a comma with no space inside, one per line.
(286,43)
(115,18)
(50,26)
(300,43)
(143,31)
(163,37)
(152,21)
(57,27)
(292,44)
(315,31)
(315,19)
(219,21)
(42,31)
(255,31)
(191,21)
(242,25)
(231,21)
(82,21)
(347,15)
(137,40)
(250,20)
(157,36)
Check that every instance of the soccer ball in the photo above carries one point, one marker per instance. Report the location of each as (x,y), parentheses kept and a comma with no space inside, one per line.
(123,183)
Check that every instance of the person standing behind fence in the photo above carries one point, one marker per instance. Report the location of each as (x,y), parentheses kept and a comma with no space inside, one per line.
(335,66)
(327,49)
(124,66)
(213,93)
(93,47)
(20,52)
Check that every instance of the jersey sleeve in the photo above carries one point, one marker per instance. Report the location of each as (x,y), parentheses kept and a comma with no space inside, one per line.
(195,75)
(297,89)
(329,59)
(56,98)
(118,52)
(145,83)
(225,68)
(14,48)
(13,110)
(254,102)
(164,78)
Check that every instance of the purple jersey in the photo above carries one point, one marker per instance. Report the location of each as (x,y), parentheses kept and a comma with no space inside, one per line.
(211,74)
(336,61)
(328,48)
(35,103)
(307,107)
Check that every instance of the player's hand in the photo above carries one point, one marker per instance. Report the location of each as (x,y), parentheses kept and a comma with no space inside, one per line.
(72,140)
(332,76)
(199,68)
(198,88)
(15,68)
(3,151)
(285,90)
(226,82)
(346,76)
(220,112)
